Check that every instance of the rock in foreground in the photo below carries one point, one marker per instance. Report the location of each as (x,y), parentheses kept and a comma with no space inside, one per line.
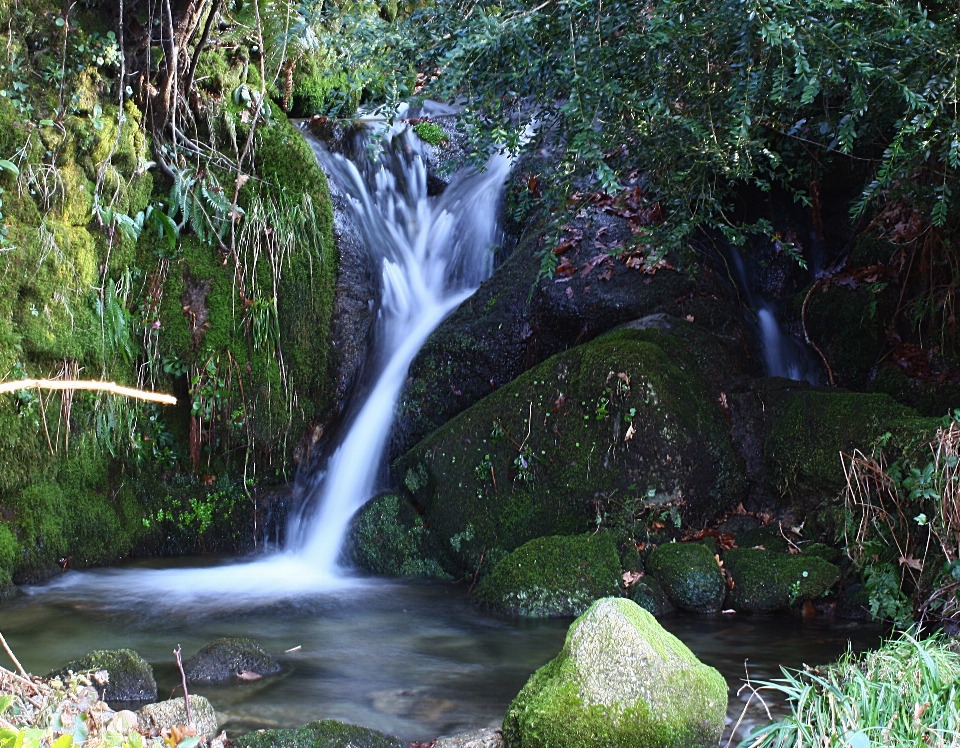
(172,713)
(222,659)
(130,677)
(620,680)
(326,733)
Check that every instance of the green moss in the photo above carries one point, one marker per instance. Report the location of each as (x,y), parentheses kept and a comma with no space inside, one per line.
(765,537)
(765,581)
(325,733)
(130,676)
(807,430)
(930,398)
(649,594)
(690,576)
(822,550)
(389,538)
(620,680)
(431,133)
(320,89)
(572,415)
(553,576)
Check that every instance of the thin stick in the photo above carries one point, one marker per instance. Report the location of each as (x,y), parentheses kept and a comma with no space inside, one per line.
(183,680)
(13,657)
(82,384)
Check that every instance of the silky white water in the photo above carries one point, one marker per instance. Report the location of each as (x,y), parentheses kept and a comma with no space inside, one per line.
(431,254)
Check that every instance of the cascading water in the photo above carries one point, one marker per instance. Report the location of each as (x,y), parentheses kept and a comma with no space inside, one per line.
(783,355)
(432,253)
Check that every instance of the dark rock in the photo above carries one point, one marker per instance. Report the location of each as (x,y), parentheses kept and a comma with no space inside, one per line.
(649,594)
(765,581)
(853,603)
(620,415)
(130,676)
(763,537)
(325,733)
(222,659)
(553,576)
(930,397)
(166,714)
(387,537)
(690,576)
(737,524)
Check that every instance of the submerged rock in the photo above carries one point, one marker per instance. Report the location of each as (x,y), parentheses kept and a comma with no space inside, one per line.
(620,680)
(130,677)
(541,456)
(690,575)
(165,714)
(222,659)
(387,537)
(553,576)
(326,733)
(765,581)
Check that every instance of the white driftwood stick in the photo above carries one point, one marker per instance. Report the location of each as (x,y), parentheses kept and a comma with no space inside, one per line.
(82,384)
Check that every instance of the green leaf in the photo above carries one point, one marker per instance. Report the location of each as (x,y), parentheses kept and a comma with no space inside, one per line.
(6,165)
(5,702)
(64,741)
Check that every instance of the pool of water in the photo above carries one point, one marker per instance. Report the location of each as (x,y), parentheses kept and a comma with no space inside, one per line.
(413,659)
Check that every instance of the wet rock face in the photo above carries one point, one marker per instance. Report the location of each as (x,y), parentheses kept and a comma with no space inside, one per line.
(488,738)
(221,660)
(539,456)
(690,575)
(325,733)
(553,576)
(130,677)
(388,538)
(166,714)
(620,680)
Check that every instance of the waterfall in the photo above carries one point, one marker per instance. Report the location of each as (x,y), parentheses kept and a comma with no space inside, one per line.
(431,253)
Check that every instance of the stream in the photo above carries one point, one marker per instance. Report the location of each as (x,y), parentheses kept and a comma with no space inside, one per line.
(414,659)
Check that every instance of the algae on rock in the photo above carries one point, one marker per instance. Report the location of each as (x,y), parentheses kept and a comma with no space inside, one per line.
(553,576)
(620,680)
(326,733)
(613,419)
(690,575)
(765,581)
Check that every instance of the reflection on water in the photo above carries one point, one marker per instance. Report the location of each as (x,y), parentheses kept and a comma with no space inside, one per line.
(414,659)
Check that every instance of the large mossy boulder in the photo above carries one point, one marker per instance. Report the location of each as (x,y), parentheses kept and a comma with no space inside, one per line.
(808,429)
(620,416)
(764,581)
(690,575)
(129,676)
(620,680)
(388,537)
(553,576)
(222,659)
(325,733)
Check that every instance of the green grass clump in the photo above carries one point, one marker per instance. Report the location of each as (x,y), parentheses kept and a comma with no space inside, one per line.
(431,133)
(903,693)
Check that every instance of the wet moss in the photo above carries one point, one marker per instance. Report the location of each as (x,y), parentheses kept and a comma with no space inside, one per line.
(690,576)
(620,680)
(130,676)
(765,581)
(808,429)
(319,88)
(649,594)
(613,418)
(553,576)
(325,733)
(388,537)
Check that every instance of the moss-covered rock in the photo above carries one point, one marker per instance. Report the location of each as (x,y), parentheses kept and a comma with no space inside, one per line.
(172,713)
(822,550)
(130,677)
(387,537)
(617,416)
(620,680)
(222,659)
(326,733)
(808,429)
(690,576)
(649,594)
(765,581)
(553,576)
(764,538)
(931,397)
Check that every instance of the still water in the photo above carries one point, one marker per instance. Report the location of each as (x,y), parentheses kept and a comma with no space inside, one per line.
(413,659)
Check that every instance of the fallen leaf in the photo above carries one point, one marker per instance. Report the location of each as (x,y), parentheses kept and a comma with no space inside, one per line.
(248,675)
(912,563)
(630,433)
(630,578)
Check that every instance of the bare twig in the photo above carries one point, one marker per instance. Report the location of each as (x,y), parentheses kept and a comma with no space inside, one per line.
(13,656)
(806,335)
(84,384)
(183,680)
